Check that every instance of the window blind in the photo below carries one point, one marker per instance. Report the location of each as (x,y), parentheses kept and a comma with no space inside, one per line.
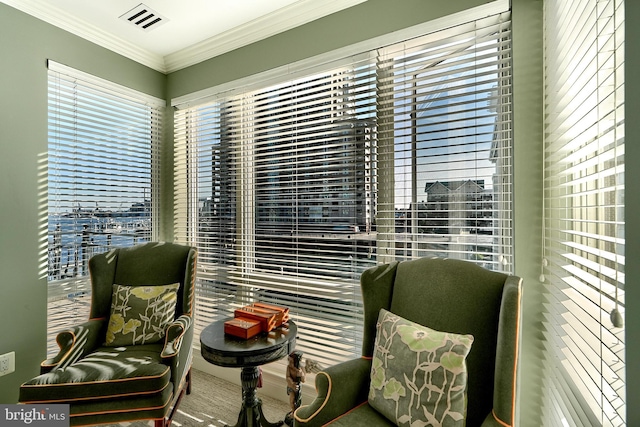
(584,236)
(291,189)
(103,142)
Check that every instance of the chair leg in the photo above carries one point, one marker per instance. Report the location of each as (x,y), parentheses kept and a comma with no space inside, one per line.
(186,389)
(161,423)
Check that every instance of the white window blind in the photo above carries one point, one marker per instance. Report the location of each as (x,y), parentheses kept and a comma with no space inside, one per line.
(291,188)
(102,181)
(584,236)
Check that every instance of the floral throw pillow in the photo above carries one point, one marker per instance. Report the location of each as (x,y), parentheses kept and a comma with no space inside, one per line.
(418,375)
(140,314)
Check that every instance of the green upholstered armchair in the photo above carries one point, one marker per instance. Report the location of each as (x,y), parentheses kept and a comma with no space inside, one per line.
(143,369)
(445,295)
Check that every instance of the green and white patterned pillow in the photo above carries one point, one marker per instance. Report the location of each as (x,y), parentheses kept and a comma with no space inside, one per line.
(140,314)
(418,375)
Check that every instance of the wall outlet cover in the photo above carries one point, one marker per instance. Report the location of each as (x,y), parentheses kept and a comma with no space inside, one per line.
(7,363)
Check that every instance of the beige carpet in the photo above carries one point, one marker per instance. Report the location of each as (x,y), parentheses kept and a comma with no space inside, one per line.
(214,402)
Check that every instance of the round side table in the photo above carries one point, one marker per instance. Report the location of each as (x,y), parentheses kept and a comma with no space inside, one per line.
(232,352)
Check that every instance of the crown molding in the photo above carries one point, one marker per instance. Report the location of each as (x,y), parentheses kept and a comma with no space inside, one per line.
(299,13)
(61,19)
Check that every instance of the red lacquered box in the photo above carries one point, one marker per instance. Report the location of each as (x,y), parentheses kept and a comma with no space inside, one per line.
(242,328)
(282,313)
(266,318)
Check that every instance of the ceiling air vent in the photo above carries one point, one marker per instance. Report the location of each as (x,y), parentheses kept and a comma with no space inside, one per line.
(144,17)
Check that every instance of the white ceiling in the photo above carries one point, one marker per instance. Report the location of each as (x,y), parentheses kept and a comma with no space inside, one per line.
(191,30)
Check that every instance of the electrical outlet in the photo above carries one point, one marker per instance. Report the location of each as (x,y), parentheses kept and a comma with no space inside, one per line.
(7,363)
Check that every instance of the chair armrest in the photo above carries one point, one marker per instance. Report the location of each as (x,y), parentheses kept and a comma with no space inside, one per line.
(177,352)
(339,388)
(75,343)
(174,334)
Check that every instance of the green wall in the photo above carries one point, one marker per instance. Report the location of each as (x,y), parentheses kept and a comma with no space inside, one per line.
(25,45)
(527,166)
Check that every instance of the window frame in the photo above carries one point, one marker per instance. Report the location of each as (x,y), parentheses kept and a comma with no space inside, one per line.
(186,128)
(103,146)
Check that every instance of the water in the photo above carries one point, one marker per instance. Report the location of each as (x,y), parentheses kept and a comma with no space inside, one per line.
(73,240)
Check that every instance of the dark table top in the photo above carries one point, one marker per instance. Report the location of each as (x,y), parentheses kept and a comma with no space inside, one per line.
(226,350)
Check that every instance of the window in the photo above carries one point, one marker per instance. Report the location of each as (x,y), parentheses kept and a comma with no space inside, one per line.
(103,142)
(291,186)
(584,241)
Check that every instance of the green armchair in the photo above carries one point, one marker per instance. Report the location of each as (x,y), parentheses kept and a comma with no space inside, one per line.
(445,295)
(132,359)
